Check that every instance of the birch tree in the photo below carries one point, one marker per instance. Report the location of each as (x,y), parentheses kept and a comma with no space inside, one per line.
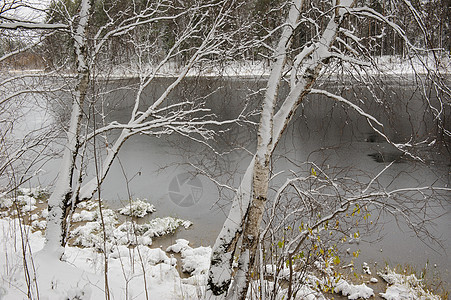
(201,37)
(335,42)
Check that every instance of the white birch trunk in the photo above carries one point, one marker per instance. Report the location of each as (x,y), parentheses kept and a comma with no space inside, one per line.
(261,173)
(270,131)
(58,203)
(225,245)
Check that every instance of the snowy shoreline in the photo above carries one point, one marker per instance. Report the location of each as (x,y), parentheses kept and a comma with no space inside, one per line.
(136,270)
(386,65)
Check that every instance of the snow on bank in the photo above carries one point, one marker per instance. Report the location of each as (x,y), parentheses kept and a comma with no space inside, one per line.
(132,272)
(304,292)
(390,65)
(327,282)
(91,234)
(136,271)
(404,287)
(353,291)
(397,65)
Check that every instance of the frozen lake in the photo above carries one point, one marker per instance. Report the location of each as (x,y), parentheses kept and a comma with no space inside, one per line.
(323,132)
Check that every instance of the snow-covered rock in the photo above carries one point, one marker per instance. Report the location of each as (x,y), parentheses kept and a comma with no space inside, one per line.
(366,268)
(353,291)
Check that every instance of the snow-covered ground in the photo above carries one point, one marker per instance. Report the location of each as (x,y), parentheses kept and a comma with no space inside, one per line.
(132,272)
(135,270)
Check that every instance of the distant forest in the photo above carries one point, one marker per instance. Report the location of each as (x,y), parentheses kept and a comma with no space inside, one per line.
(256,21)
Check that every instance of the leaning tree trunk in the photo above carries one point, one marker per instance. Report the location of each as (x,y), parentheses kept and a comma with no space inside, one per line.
(272,126)
(225,246)
(220,272)
(59,201)
(261,172)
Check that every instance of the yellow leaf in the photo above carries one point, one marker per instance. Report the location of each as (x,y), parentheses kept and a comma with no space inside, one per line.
(314,172)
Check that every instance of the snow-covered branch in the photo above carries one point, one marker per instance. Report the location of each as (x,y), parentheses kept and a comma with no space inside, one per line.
(157,118)
(348,103)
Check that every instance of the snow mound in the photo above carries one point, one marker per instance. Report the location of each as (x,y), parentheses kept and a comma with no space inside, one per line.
(26,202)
(155,227)
(353,291)
(404,287)
(88,205)
(35,192)
(90,234)
(137,208)
(39,224)
(195,261)
(180,244)
(84,215)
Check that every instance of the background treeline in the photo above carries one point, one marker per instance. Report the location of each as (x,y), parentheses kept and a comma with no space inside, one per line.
(257,21)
